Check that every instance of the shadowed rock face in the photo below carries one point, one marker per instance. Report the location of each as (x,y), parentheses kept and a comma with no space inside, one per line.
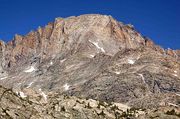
(92,56)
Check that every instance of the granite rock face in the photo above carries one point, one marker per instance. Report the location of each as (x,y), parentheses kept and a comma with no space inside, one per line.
(87,34)
(93,57)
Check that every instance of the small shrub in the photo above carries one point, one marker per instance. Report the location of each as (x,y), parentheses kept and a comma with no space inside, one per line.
(172,112)
(114,108)
(102,113)
(88,106)
(63,109)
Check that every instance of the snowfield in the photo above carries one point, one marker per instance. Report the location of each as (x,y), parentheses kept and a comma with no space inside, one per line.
(31,69)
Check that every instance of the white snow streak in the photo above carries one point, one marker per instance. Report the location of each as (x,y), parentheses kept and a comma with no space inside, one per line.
(117,72)
(131,61)
(21,94)
(97,45)
(43,95)
(3,78)
(31,69)
(51,63)
(141,75)
(66,87)
(92,55)
(29,85)
(175,75)
(177,94)
(63,60)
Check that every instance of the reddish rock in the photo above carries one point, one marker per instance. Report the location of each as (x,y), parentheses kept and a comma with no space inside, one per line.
(63,33)
(149,43)
(172,53)
(70,34)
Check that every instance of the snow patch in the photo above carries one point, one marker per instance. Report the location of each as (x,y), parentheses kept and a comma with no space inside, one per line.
(29,85)
(117,72)
(31,69)
(141,75)
(175,54)
(66,87)
(17,93)
(175,75)
(177,94)
(3,78)
(43,95)
(97,45)
(175,71)
(51,63)
(92,56)
(131,61)
(63,60)
(21,94)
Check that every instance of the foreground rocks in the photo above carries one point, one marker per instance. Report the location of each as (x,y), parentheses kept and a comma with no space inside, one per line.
(64,107)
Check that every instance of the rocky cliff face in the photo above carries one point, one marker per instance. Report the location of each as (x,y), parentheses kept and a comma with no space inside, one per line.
(84,34)
(94,57)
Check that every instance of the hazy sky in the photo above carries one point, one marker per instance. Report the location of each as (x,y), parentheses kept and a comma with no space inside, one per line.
(156,19)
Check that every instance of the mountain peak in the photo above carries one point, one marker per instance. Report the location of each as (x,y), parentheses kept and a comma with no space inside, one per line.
(100,31)
(91,56)
(90,33)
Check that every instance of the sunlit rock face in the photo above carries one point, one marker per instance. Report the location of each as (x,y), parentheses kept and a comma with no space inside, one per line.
(91,56)
(86,33)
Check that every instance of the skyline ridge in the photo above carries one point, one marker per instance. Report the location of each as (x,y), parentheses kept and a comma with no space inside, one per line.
(157,19)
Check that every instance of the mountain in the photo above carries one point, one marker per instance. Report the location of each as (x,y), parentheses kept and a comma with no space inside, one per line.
(90,57)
